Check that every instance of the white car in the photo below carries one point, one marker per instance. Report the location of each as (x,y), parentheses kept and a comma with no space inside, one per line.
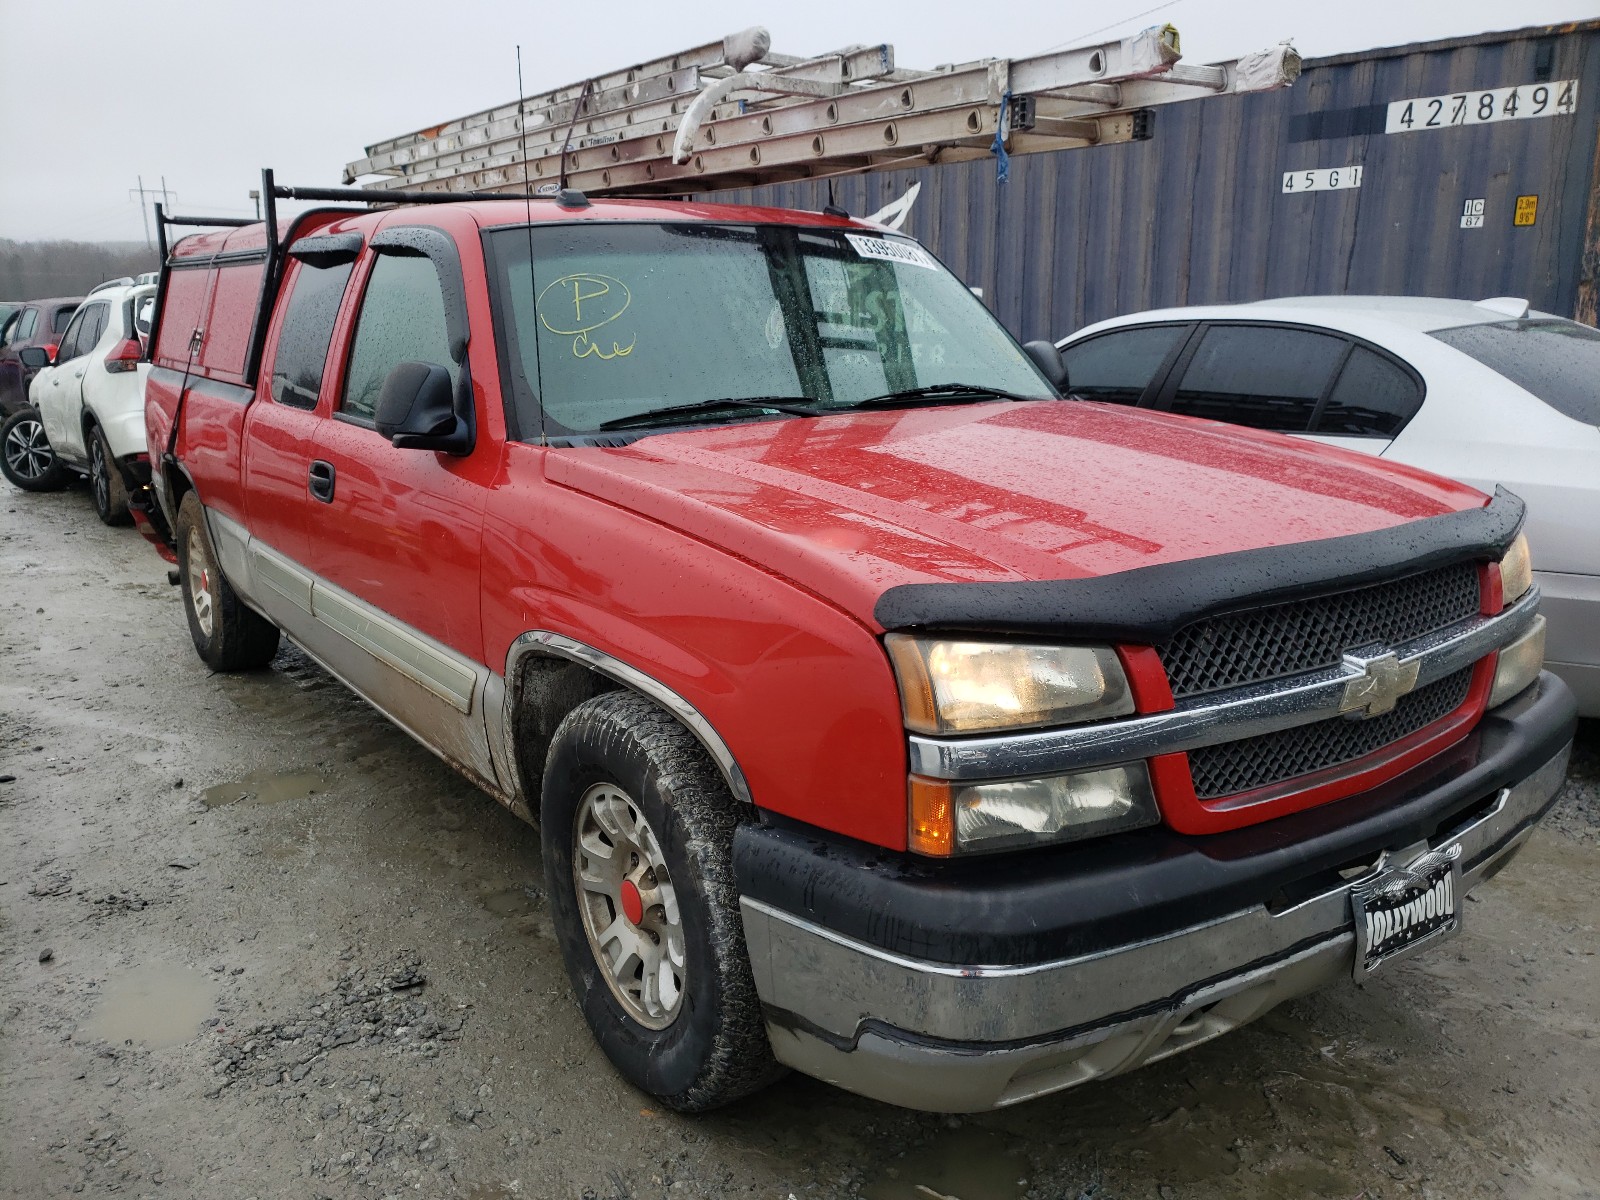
(1487,392)
(86,407)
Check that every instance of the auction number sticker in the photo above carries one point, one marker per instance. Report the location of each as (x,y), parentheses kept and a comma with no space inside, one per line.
(1558,98)
(1323,179)
(891,250)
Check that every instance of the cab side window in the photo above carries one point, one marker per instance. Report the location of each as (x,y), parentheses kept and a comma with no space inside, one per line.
(307,333)
(1118,366)
(402,320)
(1259,375)
(1373,398)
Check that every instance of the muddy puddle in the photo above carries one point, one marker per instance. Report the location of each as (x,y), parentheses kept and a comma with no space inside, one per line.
(509,902)
(964,1164)
(157,1005)
(265,787)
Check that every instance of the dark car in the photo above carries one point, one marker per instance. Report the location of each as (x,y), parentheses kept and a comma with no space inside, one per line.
(34,323)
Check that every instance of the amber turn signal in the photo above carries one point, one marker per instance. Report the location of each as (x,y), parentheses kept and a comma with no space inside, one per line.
(932,825)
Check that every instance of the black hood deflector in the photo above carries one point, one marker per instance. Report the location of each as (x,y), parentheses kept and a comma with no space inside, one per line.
(1149,604)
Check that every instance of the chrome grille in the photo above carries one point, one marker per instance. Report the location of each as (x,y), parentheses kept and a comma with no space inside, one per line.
(1305,635)
(1272,758)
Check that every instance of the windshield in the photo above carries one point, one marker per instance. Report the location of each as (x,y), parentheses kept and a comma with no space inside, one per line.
(616,320)
(1558,361)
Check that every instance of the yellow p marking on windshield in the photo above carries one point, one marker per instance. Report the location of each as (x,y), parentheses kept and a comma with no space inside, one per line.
(607,299)
(602,288)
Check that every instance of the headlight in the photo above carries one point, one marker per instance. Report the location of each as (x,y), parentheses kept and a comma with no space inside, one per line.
(1516,571)
(1519,664)
(953,818)
(951,686)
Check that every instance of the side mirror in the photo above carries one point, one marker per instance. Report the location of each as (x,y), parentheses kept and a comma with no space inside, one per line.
(1048,359)
(34,357)
(416,410)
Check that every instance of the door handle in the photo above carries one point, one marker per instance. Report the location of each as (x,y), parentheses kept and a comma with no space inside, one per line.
(321,480)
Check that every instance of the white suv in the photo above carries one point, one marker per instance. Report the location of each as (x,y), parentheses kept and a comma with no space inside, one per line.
(86,408)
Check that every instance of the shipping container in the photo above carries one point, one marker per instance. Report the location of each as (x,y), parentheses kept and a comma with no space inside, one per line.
(1463,168)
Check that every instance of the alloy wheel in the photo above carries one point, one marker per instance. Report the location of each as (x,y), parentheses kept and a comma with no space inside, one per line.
(27,450)
(98,478)
(628,904)
(200,583)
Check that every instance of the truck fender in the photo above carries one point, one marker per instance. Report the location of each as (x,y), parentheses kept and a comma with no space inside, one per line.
(545,644)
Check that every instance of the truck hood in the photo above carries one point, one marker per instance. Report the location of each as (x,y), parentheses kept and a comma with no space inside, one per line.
(848,506)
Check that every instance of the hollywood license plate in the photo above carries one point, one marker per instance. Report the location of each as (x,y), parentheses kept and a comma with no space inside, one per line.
(1406,908)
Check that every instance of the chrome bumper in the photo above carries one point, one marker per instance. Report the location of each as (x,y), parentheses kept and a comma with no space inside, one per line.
(967,1038)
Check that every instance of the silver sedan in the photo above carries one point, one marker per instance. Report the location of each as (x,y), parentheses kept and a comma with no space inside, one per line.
(1486,392)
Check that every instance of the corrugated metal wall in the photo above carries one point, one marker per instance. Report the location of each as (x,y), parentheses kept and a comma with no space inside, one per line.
(1196,215)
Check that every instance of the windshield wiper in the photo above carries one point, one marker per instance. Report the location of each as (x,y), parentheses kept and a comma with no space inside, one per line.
(724,404)
(947,393)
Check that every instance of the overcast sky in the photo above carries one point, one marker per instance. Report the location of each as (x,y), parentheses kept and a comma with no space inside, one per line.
(95,93)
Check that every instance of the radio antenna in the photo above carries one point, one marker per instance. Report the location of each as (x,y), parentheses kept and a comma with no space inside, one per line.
(527,200)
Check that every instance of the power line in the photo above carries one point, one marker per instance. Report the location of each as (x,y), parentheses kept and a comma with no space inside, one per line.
(1076,38)
(144,211)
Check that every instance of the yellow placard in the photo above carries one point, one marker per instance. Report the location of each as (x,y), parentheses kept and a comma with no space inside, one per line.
(1527,210)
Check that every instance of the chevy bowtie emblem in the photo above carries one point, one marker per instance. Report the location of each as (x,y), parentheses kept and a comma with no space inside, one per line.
(1381,682)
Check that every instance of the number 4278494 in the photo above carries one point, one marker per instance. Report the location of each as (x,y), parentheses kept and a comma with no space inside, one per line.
(1558,98)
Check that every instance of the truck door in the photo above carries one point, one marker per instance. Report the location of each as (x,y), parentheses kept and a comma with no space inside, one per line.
(282,426)
(398,532)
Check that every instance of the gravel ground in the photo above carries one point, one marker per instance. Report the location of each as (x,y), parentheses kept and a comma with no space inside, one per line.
(254,942)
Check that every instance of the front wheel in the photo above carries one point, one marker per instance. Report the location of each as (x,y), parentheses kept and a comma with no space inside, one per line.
(227,635)
(26,456)
(110,493)
(637,830)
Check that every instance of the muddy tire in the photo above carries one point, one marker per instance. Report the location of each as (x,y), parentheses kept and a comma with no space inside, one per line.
(26,457)
(227,635)
(637,828)
(105,481)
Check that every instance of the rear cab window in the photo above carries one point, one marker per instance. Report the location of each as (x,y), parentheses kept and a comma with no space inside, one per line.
(1558,361)
(302,349)
(1119,366)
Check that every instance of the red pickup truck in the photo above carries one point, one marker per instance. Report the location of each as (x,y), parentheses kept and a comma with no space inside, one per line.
(886,716)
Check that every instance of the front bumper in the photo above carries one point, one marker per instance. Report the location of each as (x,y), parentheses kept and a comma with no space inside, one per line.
(1243,922)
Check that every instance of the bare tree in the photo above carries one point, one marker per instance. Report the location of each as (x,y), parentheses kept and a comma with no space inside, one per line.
(30,270)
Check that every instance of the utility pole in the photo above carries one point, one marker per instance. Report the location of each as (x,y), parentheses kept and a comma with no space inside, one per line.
(141,191)
(144,212)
